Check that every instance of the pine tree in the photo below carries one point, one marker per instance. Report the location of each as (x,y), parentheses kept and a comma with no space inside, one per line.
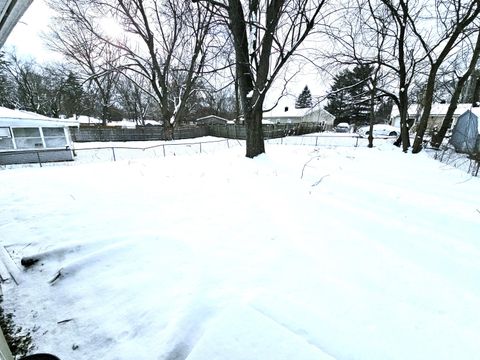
(349,98)
(5,84)
(73,96)
(304,100)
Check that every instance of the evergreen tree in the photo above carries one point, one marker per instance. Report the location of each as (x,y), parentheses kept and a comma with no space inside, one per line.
(5,84)
(350,94)
(73,96)
(304,100)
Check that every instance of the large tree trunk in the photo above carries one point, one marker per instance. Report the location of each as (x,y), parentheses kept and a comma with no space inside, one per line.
(437,138)
(251,106)
(427,101)
(105,114)
(255,143)
(372,114)
(404,137)
(476,93)
(167,130)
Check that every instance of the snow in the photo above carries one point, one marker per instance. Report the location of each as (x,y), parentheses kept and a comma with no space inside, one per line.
(303,252)
(9,117)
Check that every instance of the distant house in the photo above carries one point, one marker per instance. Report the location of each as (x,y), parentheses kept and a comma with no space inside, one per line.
(291,115)
(211,120)
(466,132)
(435,120)
(87,120)
(27,137)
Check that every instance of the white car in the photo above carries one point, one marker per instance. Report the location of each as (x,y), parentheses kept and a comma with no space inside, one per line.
(379,130)
(342,127)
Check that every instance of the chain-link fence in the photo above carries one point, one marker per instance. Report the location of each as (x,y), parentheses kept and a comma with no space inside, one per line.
(106,152)
(469,163)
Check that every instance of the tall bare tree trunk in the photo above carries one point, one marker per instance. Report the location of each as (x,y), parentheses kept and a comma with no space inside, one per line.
(437,138)
(476,93)
(255,143)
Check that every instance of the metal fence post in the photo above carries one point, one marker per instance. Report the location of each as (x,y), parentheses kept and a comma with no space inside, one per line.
(316,140)
(39,161)
(228,145)
(200,148)
(113,152)
(163,146)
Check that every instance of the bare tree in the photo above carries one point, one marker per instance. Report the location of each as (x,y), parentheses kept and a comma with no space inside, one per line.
(134,101)
(454,18)
(166,42)
(75,39)
(265,34)
(462,79)
(376,33)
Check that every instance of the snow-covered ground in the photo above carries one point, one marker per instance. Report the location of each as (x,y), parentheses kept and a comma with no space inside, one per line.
(301,253)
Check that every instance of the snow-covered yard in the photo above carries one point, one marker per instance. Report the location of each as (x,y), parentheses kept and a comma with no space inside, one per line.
(302,253)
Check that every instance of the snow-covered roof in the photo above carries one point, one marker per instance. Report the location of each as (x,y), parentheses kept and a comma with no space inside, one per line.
(84,119)
(211,117)
(153,122)
(9,117)
(124,123)
(437,109)
(286,111)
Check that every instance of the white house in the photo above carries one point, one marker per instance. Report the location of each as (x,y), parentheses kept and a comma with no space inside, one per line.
(437,114)
(27,137)
(287,114)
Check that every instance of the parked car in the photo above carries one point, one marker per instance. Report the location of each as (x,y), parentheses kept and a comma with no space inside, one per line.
(342,127)
(379,130)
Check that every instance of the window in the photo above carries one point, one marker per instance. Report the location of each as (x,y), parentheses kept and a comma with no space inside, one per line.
(54,137)
(5,132)
(28,138)
(6,142)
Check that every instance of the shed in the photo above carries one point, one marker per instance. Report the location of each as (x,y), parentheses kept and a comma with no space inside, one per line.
(27,137)
(466,133)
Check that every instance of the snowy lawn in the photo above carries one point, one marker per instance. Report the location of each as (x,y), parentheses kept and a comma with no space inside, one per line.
(371,254)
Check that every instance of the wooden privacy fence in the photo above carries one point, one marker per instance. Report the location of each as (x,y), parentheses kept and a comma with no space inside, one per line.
(270,131)
(229,131)
(105,134)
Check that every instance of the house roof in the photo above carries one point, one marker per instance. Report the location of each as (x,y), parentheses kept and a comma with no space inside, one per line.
(437,109)
(212,117)
(281,111)
(9,117)
(288,110)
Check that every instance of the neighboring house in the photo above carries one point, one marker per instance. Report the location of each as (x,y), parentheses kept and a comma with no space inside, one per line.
(291,115)
(211,120)
(466,132)
(85,120)
(435,120)
(27,137)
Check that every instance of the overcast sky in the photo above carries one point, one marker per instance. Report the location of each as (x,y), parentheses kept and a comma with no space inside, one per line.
(27,42)
(25,37)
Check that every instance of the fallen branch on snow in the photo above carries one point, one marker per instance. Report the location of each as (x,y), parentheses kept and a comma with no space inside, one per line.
(319,181)
(306,164)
